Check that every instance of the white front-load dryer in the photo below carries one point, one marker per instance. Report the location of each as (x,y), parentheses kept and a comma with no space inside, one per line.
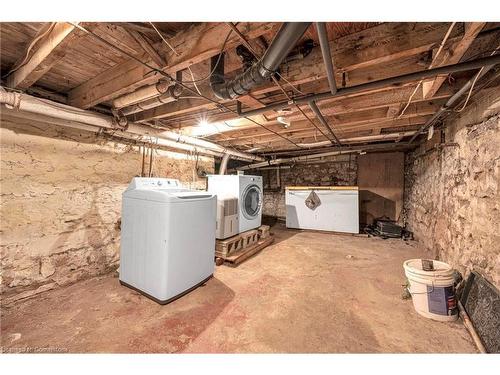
(251,201)
(248,189)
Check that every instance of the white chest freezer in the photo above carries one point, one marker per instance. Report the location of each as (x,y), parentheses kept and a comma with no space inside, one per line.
(337,210)
(167,238)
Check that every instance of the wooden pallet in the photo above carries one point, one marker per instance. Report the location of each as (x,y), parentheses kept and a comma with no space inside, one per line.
(250,251)
(225,248)
(233,248)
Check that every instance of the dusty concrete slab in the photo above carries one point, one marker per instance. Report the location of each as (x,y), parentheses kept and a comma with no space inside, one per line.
(308,292)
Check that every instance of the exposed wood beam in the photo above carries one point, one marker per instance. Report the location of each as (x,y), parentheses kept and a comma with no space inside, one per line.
(363,75)
(453,55)
(376,129)
(346,122)
(142,29)
(148,48)
(347,141)
(251,101)
(387,42)
(333,106)
(49,51)
(393,110)
(198,43)
(369,129)
(365,104)
(379,52)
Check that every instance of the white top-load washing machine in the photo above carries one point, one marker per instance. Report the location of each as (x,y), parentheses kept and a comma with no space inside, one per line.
(167,238)
(248,189)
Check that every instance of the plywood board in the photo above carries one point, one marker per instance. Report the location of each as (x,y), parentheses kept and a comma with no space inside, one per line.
(381,183)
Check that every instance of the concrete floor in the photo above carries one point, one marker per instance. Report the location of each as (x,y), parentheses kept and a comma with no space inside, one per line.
(308,292)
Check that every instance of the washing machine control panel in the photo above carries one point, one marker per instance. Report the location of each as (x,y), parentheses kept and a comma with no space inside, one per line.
(152,183)
(255,178)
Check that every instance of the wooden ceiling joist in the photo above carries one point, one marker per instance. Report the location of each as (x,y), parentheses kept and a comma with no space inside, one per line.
(340,106)
(191,46)
(375,129)
(92,72)
(363,75)
(352,121)
(453,55)
(49,50)
(381,51)
(148,48)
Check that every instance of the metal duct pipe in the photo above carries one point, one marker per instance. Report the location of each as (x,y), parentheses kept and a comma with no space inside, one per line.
(319,115)
(142,94)
(27,103)
(294,159)
(371,147)
(223,164)
(327,56)
(382,83)
(275,168)
(380,137)
(286,39)
(338,151)
(452,101)
(364,138)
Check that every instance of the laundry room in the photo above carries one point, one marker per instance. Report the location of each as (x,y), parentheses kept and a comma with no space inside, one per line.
(250,187)
(69,228)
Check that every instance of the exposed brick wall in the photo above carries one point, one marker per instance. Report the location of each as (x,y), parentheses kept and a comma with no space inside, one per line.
(452,196)
(61,203)
(339,170)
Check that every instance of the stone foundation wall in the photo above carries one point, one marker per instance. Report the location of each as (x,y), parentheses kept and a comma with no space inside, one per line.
(452,196)
(61,203)
(340,170)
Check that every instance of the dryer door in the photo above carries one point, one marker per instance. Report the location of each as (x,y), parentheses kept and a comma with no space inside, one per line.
(251,202)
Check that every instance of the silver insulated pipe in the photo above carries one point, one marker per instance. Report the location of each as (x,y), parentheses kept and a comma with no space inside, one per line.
(280,47)
(223,164)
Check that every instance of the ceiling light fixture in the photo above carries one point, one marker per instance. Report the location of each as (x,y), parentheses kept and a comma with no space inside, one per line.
(284,121)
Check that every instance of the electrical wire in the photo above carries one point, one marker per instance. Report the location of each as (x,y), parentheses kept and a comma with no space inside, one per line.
(28,50)
(478,74)
(298,107)
(290,84)
(176,53)
(470,91)
(276,82)
(162,38)
(441,46)
(255,54)
(180,83)
(194,81)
